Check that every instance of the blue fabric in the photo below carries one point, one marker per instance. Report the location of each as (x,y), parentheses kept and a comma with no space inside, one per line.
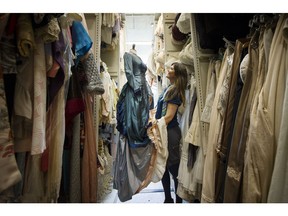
(135,72)
(162,108)
(80,39)
(121,117)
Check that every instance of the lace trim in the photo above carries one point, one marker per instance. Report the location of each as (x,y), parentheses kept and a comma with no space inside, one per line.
(233,173)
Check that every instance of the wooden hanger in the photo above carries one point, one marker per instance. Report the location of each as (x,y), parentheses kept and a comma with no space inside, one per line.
(228,43)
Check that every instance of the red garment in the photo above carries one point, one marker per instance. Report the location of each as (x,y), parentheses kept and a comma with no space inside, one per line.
(11,25)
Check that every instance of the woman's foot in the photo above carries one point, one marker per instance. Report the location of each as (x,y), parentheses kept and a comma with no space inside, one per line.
(178,199)
(169,200)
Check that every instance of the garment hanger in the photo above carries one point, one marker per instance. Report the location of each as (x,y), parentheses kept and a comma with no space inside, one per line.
(252,29)
(259,22)
(272,22)
(229,45)
(264,18)
(245,45)
(219,55)
(255,25)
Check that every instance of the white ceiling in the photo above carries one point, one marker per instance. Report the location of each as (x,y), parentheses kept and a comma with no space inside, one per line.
(139,29)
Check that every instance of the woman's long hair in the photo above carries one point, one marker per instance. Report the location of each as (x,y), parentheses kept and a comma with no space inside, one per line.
(180,83)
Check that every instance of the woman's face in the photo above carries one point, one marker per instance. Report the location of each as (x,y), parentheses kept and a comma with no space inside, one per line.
(171,74)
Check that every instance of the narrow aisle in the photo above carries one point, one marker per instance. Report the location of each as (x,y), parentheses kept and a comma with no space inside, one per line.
(152,194)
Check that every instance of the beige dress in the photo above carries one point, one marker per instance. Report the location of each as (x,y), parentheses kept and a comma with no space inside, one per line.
(265,124)
(39,108)
(278,191)
(208,187)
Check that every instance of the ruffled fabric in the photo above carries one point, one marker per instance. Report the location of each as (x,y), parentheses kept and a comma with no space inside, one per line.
(158,135)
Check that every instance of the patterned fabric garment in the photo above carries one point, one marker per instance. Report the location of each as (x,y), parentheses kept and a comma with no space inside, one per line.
(253,71)
(208,188)
(107,97)
(75,167)
(92,74)
(9,172)
(233,95)
(39,109)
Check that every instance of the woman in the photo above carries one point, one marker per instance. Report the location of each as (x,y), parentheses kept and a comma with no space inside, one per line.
(169,101)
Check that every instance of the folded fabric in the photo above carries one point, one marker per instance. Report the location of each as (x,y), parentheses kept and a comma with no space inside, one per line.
(183,23)
(25,35)
(185,55)
(81,40)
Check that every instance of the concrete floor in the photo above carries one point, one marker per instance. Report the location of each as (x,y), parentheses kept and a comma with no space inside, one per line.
(153,193)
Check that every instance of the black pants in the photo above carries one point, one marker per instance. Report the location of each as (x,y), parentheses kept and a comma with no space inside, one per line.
(173,169)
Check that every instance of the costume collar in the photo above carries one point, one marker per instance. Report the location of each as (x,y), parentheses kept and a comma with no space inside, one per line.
(133,51)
